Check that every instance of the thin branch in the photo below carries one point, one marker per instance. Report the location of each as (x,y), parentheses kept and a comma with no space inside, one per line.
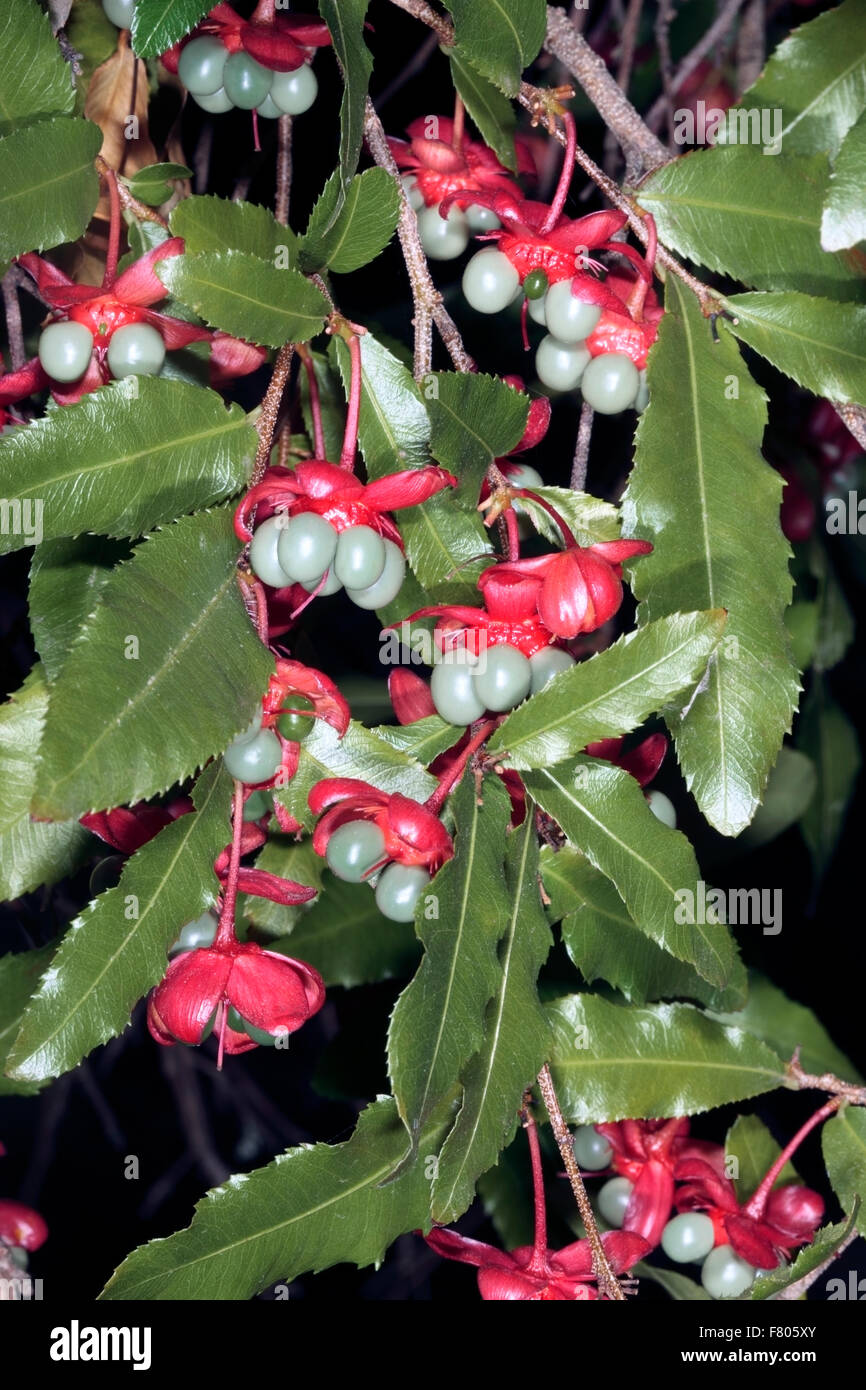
(443,29)
(751,41)
(201,158)
(853,417)
(627,44)
(284,169)
(267,421)
(12,310)
(141,210)
(801,1080)
(581,450)
(717,31)
(608,1283)
(664,19)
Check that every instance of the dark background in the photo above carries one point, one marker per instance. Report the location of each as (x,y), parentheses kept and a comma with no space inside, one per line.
(190,1126)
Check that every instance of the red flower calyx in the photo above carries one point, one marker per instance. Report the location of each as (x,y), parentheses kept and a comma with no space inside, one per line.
(21,1227)
(413,834)
(279,41)
(445,162)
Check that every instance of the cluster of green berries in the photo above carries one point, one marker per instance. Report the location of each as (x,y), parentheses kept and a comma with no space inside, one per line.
(65,349)
(356,853)
(446,238)
(307,550)
(464,686)
(218,80)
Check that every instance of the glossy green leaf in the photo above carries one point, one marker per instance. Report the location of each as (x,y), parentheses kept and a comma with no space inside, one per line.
(843,1141)
(816,342)
(124,458)
(311,1208)
(31,852)
(817,79)
(787,795)
(753,216)
(604,813)
(288,858)
(473,420)
(705,557)
(588,518)
(424,740)
(157,24)
(66,580)
(438,1023)
(345,20)
(516,1038)
(94,38)
(164,630)
(346,938)
(34,79)
(785,1025)
(843,222)
(827,736)
(393,430)
(344,240)
(489,109)
(613,692)
(604,943)
(826,1242)
(45,202)
(359,753)
(617,1062)
(754,1151)
(213,225)
(19,979)
(447,547)
(246,296)
(500,37)
(117,949)
(151,185)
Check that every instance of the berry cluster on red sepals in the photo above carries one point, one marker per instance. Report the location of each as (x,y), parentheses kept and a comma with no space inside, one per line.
(444,162)
(277,40)
(412,834)
(762,1231)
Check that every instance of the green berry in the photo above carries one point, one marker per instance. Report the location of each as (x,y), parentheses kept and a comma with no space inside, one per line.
(296,726)
(538,310)
(240,1025)
(413,192)
(560,366)
(254,759)
(215,102)
(120,12)
(202,65)
(535,285)
(663,807)
(547,664)
(246,81)
(65,350)
(294,92)
(387,586)
(524,476)
(442,238)
(688,1238)
(610,383)
(269,109)
(136,350)
(591,1149)
(503,678)
(264,547)
(453,690)
(307,547)
(353,849)
(331,585)
(193,935)
(489,281)
(360,557)
(569,319)
(613,1199)
(482,219)
(398,889)
(725,1275)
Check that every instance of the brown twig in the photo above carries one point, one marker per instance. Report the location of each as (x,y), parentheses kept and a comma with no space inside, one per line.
(201,158)
(141,210)
(267,422)
(664,19)
(627,43)
(801,1080)
(853,417)
(12,310)
(608,1283)
(581,450)
(284,169)
(751,44)
(443,29)
(717,30)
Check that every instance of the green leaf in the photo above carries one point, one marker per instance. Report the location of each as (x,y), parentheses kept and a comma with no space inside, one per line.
(816,342)
(617,1062)
(817,79)
(787,796)
(516,1038)
(34,79)
(785,1025)
(589,518)
(344,240)
(116,950)
(126,721)
(500,37)
(677,1286)
(751,1144)
(506,1200)
(827,736)
(31,852)
(44,202)
(311,1208)
(489,109)
(474,419)
(834,619)
(66,580)
(151,185)
(123,459)
(843,223)
(843,1142)
(438,1021)
(604,943)
(157,24)
(345,19)
(393,430)
(447,547)
(603,812)
(824,1245)
(612,693)
(346,938)
(359,753)
(210,224)
(246,296)
(423,740)
(752,216)
(704,556)
(286,857)
(19,977)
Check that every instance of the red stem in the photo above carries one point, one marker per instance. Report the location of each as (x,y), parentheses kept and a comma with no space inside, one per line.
(758,1200)
(638,295)
(225,934)
(565,174)
(256,142)
(538,1263)
(113,254)
(567,533)
(459,125)
(350,438)
(449,779)
(315,403)
(513,534)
